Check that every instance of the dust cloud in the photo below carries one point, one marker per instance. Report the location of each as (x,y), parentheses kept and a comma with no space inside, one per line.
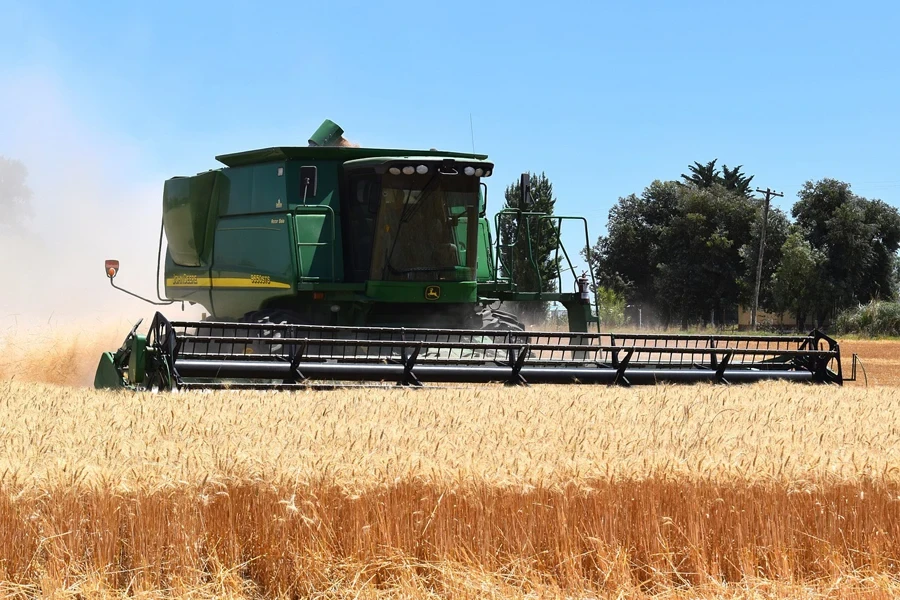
(92,200)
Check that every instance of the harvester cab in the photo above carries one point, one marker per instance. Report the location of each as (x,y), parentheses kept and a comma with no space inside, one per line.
(340,263)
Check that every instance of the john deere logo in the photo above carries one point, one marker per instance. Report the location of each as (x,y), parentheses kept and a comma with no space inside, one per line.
(433,292)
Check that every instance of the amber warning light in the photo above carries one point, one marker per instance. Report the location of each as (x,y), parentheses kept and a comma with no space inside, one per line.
(112,267)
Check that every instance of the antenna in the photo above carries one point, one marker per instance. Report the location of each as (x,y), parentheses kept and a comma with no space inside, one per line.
(472,130)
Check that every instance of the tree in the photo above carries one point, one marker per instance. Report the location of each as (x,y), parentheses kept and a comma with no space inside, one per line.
(610,307)
(857,239)
(699,260)
(14,194)
(517,263)
(777,230)
(702,176)
(678,250)
(885,240)
(625,259)
(708,175)
(735,181)
(797,282)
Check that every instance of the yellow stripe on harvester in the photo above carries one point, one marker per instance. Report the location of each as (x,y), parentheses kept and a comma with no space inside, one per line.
(254,281)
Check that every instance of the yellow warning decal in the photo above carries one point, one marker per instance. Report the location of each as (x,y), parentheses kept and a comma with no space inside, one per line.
(253,281)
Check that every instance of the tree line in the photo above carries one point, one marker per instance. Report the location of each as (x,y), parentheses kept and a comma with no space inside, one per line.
(686,250)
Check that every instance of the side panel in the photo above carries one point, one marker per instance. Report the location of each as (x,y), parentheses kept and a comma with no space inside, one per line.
(188,284)
(321,213)
(255,189)
(253,263)
(190,207)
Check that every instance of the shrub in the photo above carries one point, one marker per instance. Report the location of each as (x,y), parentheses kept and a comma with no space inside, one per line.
(877,318)
(610,307)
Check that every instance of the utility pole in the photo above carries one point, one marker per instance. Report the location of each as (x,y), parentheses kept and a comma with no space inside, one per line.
(762,246)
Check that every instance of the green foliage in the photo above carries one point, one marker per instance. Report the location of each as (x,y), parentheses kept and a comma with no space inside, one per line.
(699,264)
(682,250)
(777,230)
(689,249)
(702,175)
(874,319)
(735,181)
(14,193)
(796,283)
(858,240)
(708,175)
(611,307)
(544,241)
(625,260)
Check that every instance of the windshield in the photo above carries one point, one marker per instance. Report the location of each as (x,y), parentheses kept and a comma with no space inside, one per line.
(422,230)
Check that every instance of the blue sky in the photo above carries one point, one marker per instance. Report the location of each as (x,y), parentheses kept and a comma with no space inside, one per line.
(604,97)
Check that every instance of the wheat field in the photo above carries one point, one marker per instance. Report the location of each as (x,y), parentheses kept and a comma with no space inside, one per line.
(764,491)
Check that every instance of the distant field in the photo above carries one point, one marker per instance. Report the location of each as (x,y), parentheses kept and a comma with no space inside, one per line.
(881,359)
(764,491)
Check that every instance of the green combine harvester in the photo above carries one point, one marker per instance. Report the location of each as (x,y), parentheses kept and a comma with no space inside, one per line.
(329,264)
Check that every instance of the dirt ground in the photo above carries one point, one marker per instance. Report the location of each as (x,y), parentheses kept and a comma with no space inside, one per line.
(880,361)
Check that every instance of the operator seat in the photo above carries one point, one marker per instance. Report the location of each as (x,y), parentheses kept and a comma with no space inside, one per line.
(445,255)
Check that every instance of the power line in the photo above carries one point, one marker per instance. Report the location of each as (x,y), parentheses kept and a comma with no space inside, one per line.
(762,246)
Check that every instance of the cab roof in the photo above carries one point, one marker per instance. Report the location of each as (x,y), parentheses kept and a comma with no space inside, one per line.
(341,153)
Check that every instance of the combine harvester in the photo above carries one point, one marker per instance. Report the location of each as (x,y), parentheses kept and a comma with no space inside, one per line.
(330,264)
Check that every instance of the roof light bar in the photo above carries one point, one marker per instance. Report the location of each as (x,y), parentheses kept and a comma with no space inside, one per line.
(447,167)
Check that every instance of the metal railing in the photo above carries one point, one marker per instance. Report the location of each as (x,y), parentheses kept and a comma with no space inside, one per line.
(523,222)
(330,216)
(208,354)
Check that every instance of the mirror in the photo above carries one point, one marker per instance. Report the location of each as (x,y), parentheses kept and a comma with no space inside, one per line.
(308,181)
(524,190)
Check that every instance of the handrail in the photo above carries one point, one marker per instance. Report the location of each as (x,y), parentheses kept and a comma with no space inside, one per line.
(587,256)
(542,216)
(328,211)
(499,259)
